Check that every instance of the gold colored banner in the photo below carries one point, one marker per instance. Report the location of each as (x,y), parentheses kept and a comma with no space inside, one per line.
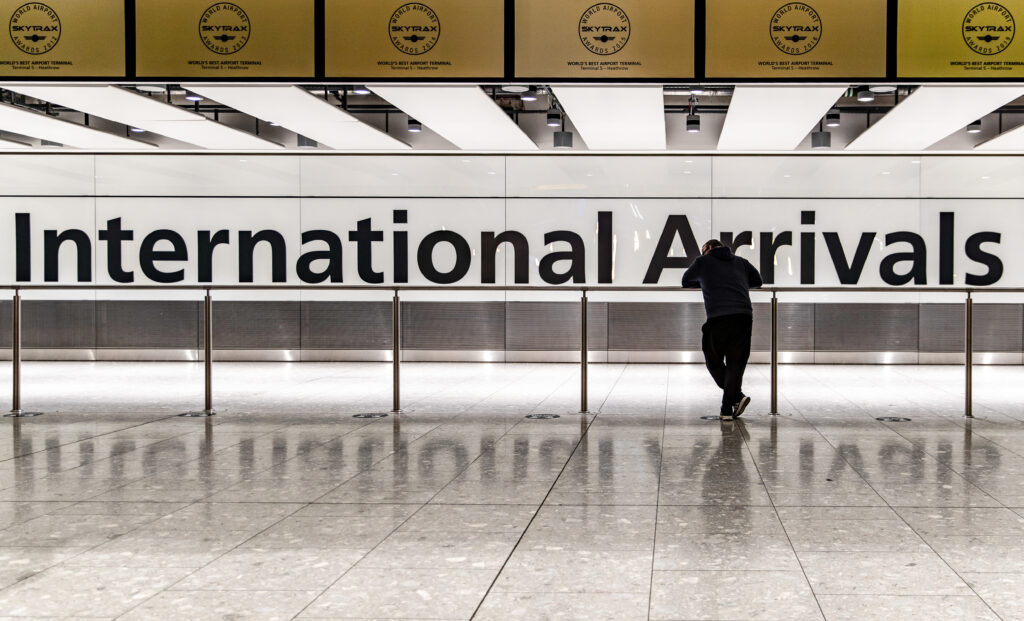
(960,39)
(62,38)
(242,38)
(627,39)
(812,39)
(431,39)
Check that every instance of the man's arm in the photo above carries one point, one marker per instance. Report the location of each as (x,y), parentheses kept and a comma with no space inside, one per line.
(753,276)
(691,277)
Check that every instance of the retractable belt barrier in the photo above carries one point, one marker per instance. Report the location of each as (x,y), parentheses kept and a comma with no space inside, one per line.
(16,410)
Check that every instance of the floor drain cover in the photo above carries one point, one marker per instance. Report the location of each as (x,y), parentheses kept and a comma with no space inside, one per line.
(543,416)
(370,415)
(893,419)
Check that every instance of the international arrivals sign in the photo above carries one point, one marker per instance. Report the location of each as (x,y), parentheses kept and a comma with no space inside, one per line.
(473,241)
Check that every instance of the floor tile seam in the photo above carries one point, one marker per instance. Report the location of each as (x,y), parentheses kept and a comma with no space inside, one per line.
(197,569)
(789,539)
(657,498)
(406,520)
(540,506)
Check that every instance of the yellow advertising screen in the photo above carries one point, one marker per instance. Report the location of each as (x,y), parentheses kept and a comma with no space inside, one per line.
(816,38)
(960,39)
(201,38)
(432,39)
(62,38)
(627,39)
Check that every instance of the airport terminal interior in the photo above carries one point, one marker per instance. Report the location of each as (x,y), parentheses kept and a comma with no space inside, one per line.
(354,309)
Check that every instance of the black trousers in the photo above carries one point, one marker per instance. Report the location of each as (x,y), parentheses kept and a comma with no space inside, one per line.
(726,343)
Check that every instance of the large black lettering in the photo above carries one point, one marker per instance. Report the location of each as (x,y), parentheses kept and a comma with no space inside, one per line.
(425,257)
(605,257)
(577,257)
(364,236)
(51,253)
(849,273)
(946,248)
(674,226)
(206,245)
(918,257)
(148,256)
(807,248)
(745,238)
(991,261)
(22,247)
(114,235)
(769,246)
(400,247)
(489,243)
(247,242)
(334,269)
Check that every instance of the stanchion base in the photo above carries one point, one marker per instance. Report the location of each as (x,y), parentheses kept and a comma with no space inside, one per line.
(893,419)
(199,414)
(21,414)
(371,415)
(543,416)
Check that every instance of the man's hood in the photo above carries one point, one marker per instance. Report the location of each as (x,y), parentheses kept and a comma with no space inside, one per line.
(722,253)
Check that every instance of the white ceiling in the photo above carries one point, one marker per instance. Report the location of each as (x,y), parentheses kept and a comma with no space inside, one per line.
(605,118)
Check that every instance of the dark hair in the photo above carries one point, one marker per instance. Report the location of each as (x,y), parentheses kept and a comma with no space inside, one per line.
(709,244)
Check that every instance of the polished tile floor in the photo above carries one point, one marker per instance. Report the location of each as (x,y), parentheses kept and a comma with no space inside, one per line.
(285,506)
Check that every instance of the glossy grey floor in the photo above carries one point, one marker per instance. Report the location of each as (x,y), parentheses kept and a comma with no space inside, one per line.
(285,506)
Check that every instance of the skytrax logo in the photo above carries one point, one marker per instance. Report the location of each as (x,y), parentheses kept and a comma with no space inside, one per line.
(414,28)
(224,28)
(988,28)
(35,28)
(795,28)
(604,29)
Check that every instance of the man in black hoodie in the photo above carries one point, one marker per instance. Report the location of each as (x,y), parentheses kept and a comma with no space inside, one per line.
(725,280)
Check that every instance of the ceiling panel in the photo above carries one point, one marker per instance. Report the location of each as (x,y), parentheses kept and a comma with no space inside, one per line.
(775,118)
(619,118)
(148,113)
(29,123)
(464,115)
(931,113)
(299,111)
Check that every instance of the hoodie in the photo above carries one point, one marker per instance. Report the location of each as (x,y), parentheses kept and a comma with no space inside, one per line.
(725,279)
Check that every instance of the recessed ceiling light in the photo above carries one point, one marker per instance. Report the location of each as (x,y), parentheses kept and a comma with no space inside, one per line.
(865,95)
(360,89)
(882,89)
(150,88)
(137,130)
(514,88)
(529,94)
(189,95)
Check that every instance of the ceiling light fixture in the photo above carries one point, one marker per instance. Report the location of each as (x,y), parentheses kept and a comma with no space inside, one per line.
(821,140)
(865,95)
(137,130)
(530,94)
(563,140)
(414,125)
(693,119)
(360,89)
(974,127)
(306,143)
(832,118)
(514,88)
(190,96)
(554,118)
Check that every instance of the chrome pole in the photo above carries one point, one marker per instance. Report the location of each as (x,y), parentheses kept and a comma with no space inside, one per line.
(396,351)
(968,354)
(775,354)
(583,353)
(16,410)
(208,351)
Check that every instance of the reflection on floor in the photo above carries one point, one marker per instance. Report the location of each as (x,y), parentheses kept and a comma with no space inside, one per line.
(285,506)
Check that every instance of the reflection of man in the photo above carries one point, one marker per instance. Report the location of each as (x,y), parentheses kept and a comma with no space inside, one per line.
(726,280)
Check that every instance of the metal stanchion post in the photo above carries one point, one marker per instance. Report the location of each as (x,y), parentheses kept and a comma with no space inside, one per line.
(16,410)
(775,354)
(968,354)
(396,352)
(207,359)
(583,353)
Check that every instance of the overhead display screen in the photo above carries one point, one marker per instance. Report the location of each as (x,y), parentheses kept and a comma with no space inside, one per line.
(200,38)
(960,39)
(627,39)
(817,38)
(62,38)
(432,39)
